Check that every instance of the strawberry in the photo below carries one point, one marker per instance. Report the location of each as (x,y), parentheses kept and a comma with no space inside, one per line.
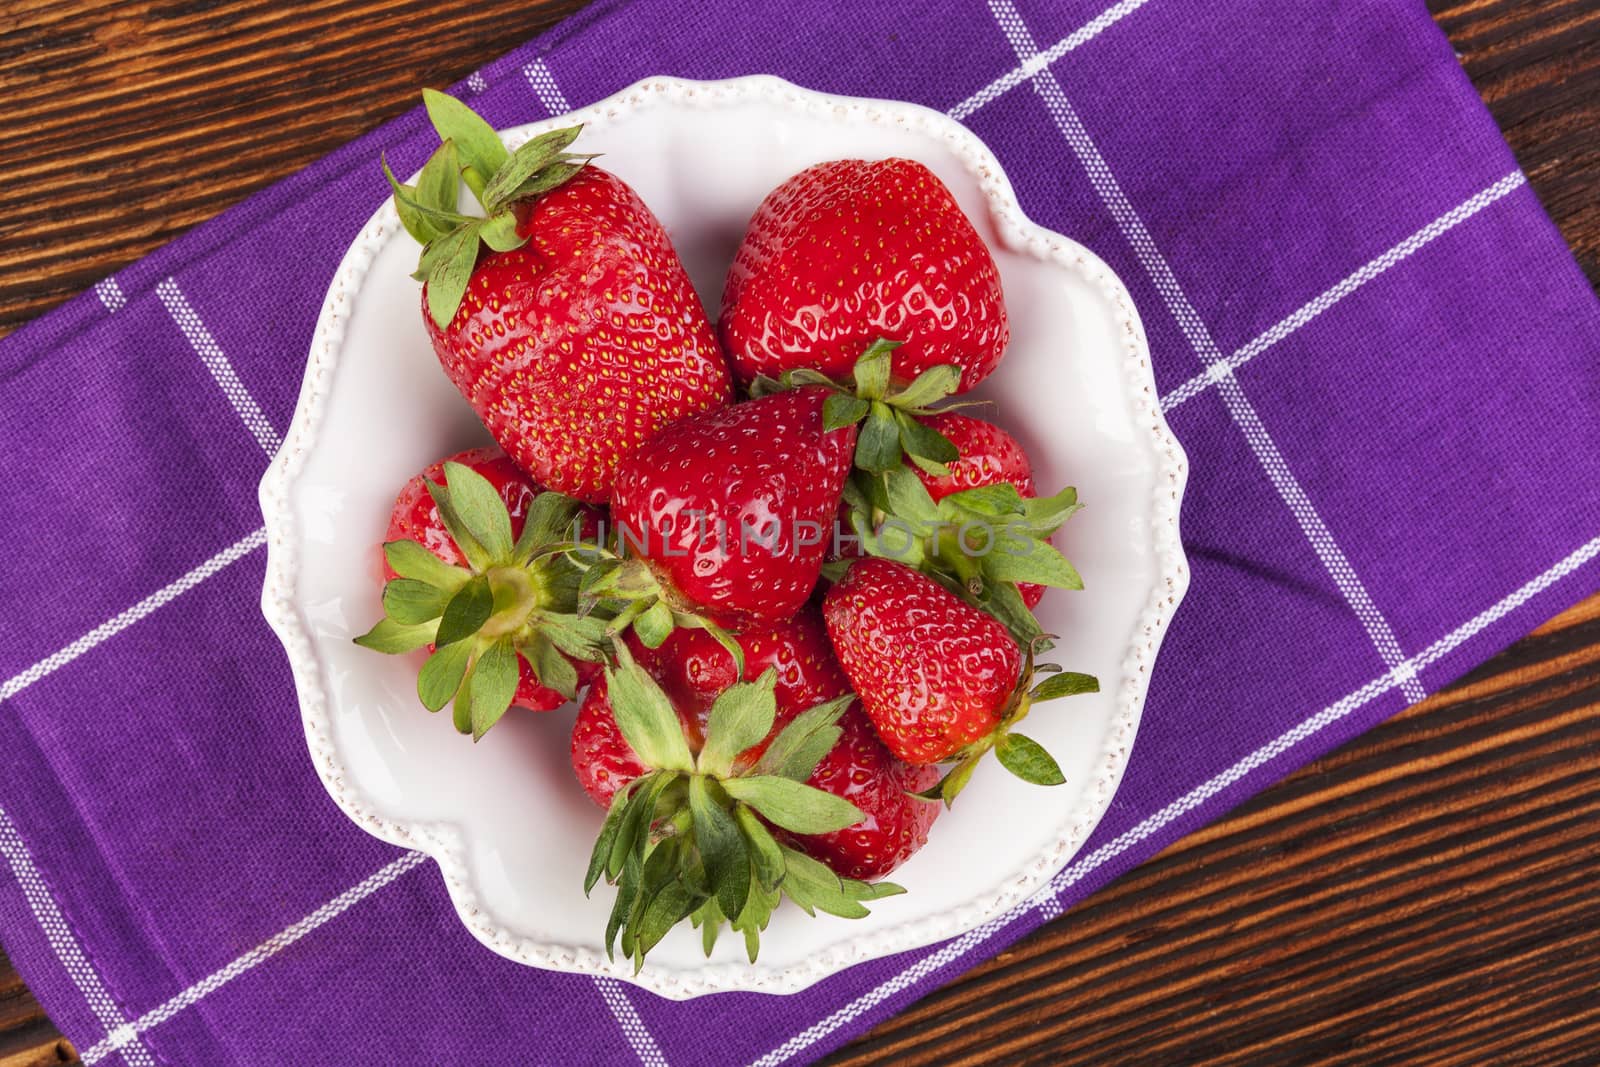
(940,679)
(987,456)
(850,251)
(709,831)
(693,669)
(934,673)
(466,578)
(863,771)
(416,517)
(565,316)
(728,515)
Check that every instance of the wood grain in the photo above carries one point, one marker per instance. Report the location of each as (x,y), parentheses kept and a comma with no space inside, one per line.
(130,124)
(1430,893)
(1423,893)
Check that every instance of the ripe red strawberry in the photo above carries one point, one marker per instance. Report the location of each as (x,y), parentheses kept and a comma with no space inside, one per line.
(861,770)
(988,456)
(416,517)
(716,813)
(731,512)
(934,673)
(847,252)
(940,679)
(565,317)
(463,580)
(693,669)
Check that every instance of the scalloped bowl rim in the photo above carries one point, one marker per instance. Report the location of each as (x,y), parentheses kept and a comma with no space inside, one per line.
(444,843)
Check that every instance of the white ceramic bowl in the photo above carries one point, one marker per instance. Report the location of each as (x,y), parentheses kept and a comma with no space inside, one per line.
(505,819)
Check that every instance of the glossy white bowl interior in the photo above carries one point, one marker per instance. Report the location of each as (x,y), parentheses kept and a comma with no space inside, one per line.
(505,818)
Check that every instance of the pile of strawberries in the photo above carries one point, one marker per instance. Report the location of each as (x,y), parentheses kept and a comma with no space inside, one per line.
(791,579)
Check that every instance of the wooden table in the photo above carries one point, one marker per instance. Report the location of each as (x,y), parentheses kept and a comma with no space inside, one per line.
(1430,892)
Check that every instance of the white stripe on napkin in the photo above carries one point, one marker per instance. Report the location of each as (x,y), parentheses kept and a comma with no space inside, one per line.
(1034,64)
(545,88)
(1239,407)
(216,362)
(126,618)
(633,1027)
(262,952)
(1349,284)
(110,294)
(64,945)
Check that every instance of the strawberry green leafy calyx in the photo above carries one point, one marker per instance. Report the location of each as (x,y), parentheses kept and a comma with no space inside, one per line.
(888,412)
(988,456)
(691,838)
(504,605)
(628,595)
(980,543)
(472,152)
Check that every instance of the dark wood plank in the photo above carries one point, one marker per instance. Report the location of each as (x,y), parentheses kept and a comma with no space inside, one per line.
(129,125)
(1538,68)
(26,1037)
(1430,893)
(1425,890)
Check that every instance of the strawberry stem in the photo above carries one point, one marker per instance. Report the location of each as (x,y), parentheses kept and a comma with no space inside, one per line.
(475,181)
(516,596)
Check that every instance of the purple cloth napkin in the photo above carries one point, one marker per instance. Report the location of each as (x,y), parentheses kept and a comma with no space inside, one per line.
(1375,347)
